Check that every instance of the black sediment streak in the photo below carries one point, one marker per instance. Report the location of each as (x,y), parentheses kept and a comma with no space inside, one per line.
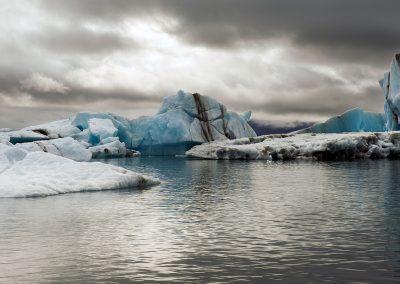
(203,117)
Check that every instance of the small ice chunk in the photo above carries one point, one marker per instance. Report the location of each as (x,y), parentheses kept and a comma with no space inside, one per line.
(113,149)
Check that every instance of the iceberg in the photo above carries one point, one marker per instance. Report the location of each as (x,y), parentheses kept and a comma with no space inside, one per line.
(343,146)
(357,120)
(100,129)
(185,120)
(390,85)
(354,120)
(21,136)
(31,174)
(113,149)
(54,129)
(64,147)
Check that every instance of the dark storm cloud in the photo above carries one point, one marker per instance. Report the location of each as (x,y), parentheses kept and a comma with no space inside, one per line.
(353,40)
(347,29)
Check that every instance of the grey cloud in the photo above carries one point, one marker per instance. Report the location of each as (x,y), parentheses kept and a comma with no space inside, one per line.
(330,101)
(80,40)
(350,30)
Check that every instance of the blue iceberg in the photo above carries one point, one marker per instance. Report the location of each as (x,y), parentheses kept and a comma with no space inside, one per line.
(354,120)
(358,120)
(183,121)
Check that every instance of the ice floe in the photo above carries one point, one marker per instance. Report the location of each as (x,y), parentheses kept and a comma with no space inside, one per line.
(303,146)
(31,174)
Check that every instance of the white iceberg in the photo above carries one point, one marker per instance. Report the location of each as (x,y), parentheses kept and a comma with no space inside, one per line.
(113,149)
(303,146)
(54,129)
(21,136)
(33,174)
(64,147)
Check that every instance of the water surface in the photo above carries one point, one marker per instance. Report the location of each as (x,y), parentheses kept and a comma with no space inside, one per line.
(213,221)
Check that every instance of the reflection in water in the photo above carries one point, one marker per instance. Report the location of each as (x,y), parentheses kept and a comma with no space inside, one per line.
(214,221)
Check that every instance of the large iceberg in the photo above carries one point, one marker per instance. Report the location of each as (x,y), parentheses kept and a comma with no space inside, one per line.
(183,121)
(29,174)
(343,146)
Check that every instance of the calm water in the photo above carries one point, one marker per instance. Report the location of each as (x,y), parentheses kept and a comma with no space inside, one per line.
(214,221)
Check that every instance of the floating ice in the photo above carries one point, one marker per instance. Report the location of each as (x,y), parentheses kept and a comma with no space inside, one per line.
(185,120)
(354,120)
(9,155)
(21,136)
(55,129)
(65,147)
(100,129)
(357,120)
(390,85)
(113,149)
(41,174)
(300,146)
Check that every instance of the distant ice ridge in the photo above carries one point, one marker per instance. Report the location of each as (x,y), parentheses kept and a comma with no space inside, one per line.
(354,120)
(357,120)
(344,146)
(30,174)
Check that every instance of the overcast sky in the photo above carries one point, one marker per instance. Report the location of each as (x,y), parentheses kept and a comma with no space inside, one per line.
(300,60)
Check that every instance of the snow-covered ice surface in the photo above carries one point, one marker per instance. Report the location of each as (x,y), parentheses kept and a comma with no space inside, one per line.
(31,174)
(112,149)
(65,147)
(100,129)
(21,136)
(344,146)
(55,129)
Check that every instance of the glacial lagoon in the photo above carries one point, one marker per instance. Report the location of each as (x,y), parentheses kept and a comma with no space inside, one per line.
(213,221)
